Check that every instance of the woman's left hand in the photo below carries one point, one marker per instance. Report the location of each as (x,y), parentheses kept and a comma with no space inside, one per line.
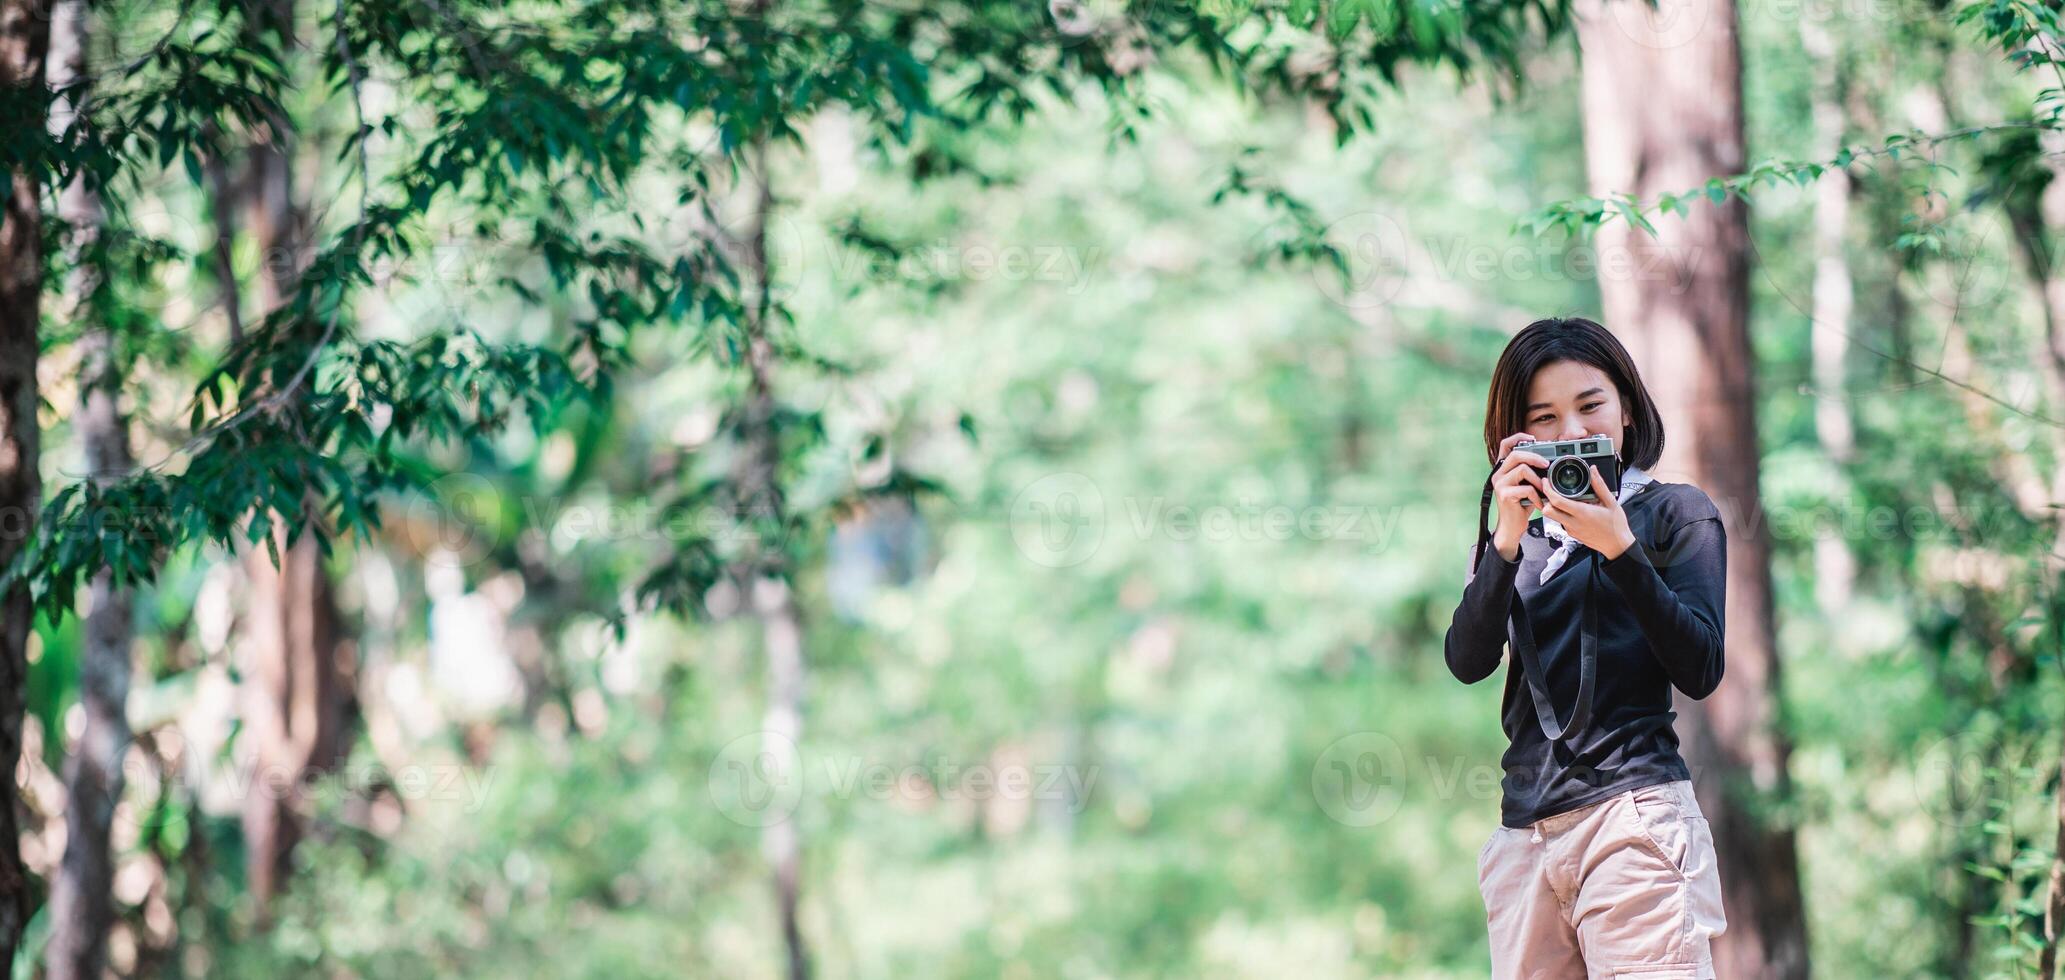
(1602,527)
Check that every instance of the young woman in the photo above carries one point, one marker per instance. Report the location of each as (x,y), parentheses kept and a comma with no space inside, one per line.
(1603,864)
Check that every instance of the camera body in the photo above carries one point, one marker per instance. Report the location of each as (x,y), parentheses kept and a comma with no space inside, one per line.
(1567,474)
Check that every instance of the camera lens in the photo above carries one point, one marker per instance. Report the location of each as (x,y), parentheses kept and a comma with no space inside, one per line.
(1569,476)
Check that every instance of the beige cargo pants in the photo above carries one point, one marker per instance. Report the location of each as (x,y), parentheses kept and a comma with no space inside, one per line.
(1626,887)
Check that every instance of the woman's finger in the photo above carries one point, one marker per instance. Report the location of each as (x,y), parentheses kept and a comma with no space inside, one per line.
(1522,461)
(1571,508)
(1599,489)
(1519,476)
(1529,486)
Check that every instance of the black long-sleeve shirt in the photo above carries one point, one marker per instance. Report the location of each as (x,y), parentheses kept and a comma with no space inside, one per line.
(1660,624)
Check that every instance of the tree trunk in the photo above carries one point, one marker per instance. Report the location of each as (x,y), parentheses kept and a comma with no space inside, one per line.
(2040,255)
(223,194)
(298,692)
(82,899)
(296,701)
(764,575)
(2054,897)
(1663,112)
(1835,567)
(2036,234)
(24,39)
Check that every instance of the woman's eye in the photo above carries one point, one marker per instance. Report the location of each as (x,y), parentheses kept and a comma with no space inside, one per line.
(1543,420)
(1593,406)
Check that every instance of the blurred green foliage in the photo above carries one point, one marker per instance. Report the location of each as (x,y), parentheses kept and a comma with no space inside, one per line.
(1163,393)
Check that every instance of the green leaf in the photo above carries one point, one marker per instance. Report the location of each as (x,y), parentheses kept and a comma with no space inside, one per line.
(1633,215)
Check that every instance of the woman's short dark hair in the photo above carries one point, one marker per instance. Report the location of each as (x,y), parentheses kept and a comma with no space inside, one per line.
(1575,338)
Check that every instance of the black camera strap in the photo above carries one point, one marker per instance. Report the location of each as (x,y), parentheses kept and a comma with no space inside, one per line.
(1520,635)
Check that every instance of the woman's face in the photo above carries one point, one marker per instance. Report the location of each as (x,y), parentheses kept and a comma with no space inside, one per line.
(1572,400)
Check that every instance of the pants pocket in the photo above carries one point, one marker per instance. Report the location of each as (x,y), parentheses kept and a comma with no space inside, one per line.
(1674,836)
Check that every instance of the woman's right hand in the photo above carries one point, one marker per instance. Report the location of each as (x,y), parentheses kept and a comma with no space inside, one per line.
(1517,490)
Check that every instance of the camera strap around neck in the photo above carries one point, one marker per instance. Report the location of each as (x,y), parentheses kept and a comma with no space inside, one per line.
(1520,635)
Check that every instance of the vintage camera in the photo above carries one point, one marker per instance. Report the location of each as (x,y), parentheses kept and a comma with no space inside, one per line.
(1567,474)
